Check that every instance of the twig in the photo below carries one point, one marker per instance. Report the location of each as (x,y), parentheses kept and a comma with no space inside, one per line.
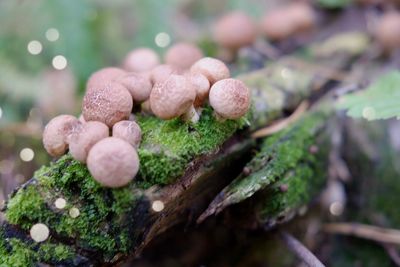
(300,250)
(282,124)
(379,234)
(393,253)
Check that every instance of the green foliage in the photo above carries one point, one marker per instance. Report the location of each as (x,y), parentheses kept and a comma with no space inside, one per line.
(381,100)
(334,3)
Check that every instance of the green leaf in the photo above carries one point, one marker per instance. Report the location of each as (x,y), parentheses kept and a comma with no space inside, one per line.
(381,100)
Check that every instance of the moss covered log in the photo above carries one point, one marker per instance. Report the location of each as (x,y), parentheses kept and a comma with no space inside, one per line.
(184,165)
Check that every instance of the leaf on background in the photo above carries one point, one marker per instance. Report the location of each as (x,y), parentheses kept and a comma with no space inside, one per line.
(381,100)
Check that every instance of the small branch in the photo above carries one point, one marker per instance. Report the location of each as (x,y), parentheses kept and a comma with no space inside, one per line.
(393,253)
(383,235)
(282,124)
(300,250)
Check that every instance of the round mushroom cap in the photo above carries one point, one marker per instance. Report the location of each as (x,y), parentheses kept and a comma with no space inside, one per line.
(387,31)
(303,16)
(183,55)
(162,72)
(276,25)
(129,131)
(56,134)
(230,98)
(108,104)
(212,68)
(172,97)
(83,140)
(113,162)
(202,86)
(141,60)
(235,30)
(139,86)
(103,76)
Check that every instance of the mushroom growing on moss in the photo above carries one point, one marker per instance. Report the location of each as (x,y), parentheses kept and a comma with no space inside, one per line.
(129,131)
(183,55)
(230,98)
(162,72)
(57,132)
(103,76)
(85,138)
(141,60)
(113,162)
(202,86)
(235,30)
(303,16)
(108,104)
(214,69)
(172,98)
(387,31)
(139,86)
(276,25)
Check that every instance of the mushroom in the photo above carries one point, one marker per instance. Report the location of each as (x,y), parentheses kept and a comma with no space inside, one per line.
(277,25)
(387,31)
(84,139)
(141,60)
(202,86)
(162,72)
(138,86)
(303,16)
(129,131)
(145,107)
(235,30)
(173,97)
(113,162)
(230,98)
(103,76)
(212,68)
(56,134)
(109,104)
(183,55)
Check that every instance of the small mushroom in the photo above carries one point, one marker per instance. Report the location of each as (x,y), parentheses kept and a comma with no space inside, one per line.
(83,140)
(141,60)
(57,132)
(276,25)
(108,104)
(183,55)
(212,68)
(138,86)
(113,162)
(129,131)
(230,98)
(202,86)
(162,72)
(235,30)
(303,16)
(173,97)
(103,76)
(387,31)
(146,108)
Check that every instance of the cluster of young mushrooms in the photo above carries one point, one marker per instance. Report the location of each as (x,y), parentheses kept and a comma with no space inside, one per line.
(106,137)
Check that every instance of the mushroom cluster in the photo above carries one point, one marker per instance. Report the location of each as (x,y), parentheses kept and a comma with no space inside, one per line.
(236,29)
(106,137)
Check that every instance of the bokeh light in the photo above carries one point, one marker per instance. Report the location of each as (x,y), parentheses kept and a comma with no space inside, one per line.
(35,47)
(162,39)
(52,34)
(59,62)
(157,206)
(1,112)
(26,154)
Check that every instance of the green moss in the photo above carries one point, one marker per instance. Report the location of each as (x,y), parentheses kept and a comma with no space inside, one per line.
(168,146)
(19,255)
(55,253)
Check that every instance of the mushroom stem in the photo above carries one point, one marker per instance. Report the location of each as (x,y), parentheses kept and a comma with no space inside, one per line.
(191,115)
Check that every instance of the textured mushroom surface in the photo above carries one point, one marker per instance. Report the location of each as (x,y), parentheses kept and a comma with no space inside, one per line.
(202,86)
(183,55)
(56,133)
(230,98)
(129,131)
(109,104)
(103,76)
(212,68)
(162,72)
(141,60)
(139,86)
(82,141)
(113,162)
(235,30)
(173,97)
